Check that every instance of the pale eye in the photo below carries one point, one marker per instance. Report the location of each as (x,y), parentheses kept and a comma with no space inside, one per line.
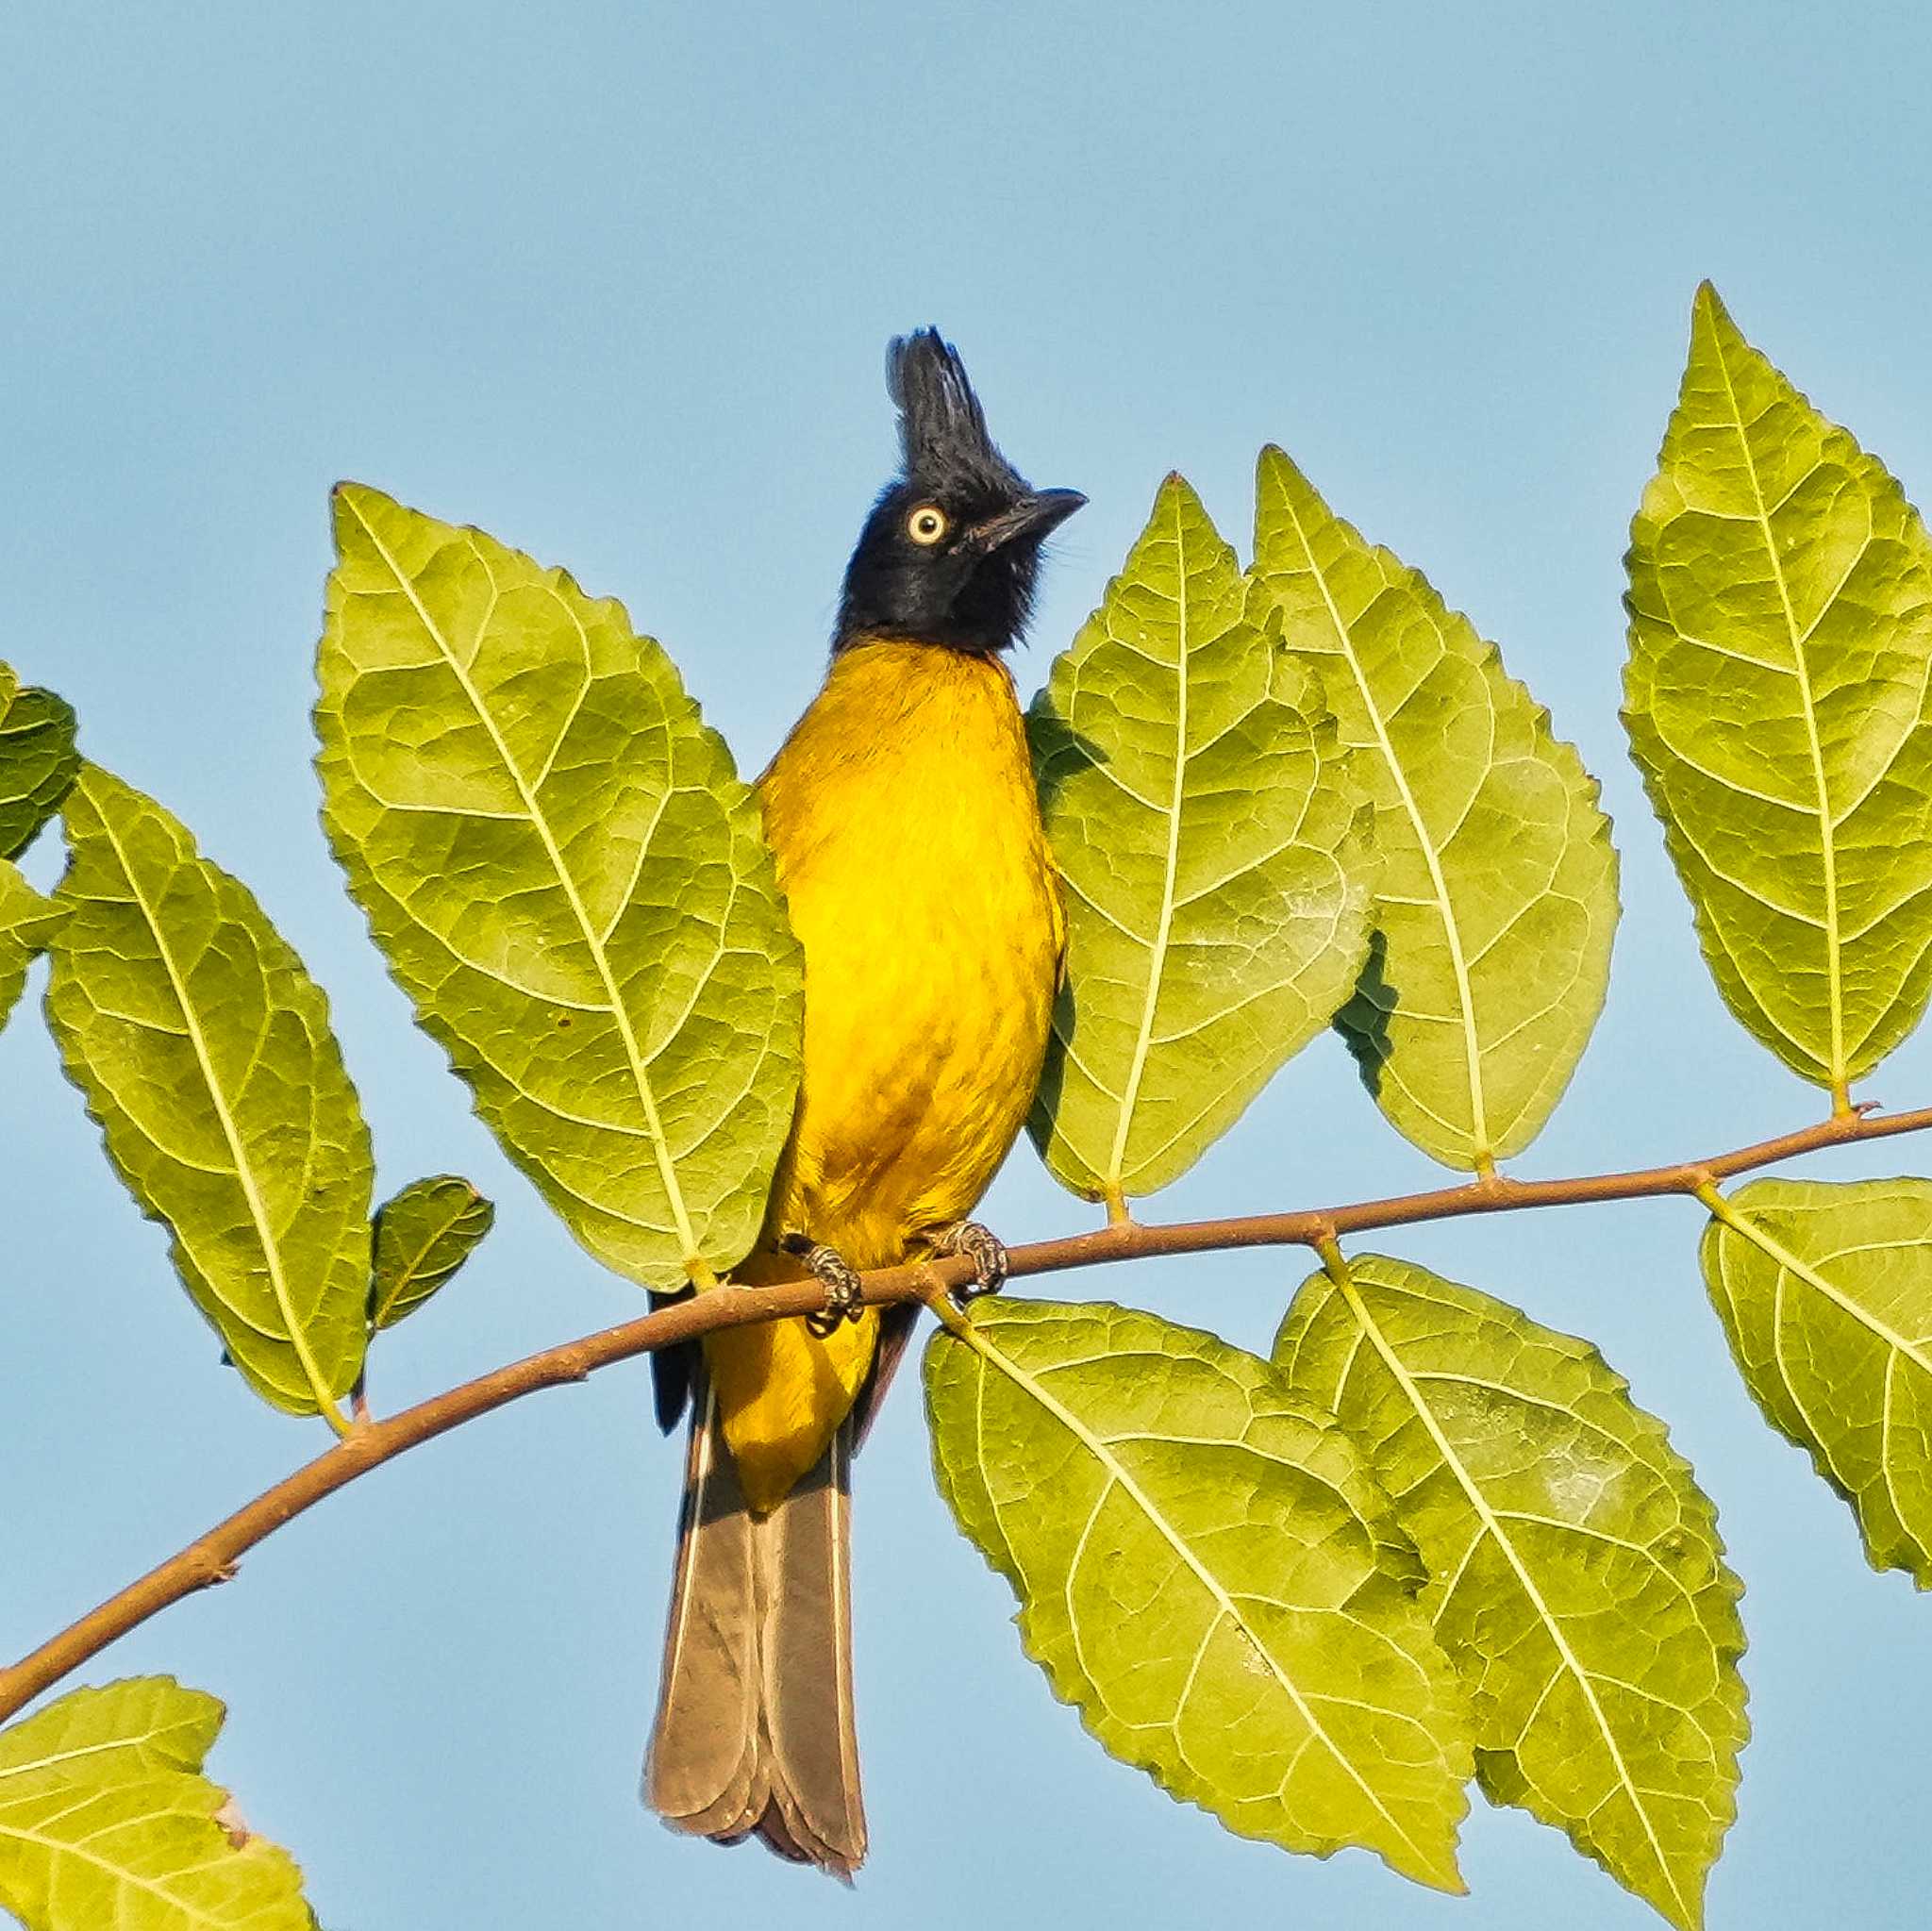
(926,524)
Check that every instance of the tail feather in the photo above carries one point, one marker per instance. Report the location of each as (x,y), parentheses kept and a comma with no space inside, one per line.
(807,1662)
(755,1730)
(703,1770)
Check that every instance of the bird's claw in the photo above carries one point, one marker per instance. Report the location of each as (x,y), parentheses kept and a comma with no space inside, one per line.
(845,1290)
(985,1249)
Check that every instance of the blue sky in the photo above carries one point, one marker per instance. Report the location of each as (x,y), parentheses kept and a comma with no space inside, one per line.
(617,287)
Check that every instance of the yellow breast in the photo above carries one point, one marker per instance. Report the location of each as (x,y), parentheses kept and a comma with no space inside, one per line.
(903,814)
(903,819)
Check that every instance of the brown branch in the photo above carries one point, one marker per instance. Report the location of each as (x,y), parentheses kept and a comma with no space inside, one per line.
(213,1558)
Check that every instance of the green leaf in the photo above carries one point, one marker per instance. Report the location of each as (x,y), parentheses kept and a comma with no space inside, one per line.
(204,1049)
(1214,860)
(27,920)
(1576,1578)
(1497,898)
(1824,1289)
(38,761)
(1205,1570)
(422,1237)
(569,881)
(1780,661)
(106,1821)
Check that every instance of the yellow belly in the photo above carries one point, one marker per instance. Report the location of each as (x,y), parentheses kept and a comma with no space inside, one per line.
(903,816)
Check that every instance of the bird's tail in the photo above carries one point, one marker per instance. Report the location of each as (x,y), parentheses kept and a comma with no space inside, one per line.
(755,1725)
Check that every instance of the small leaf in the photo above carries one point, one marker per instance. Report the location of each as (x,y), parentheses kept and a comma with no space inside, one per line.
(1824,1289)
(422,1237)
(27,920)
(1776,694)
(1576,1578)
(1208,1572)
(204,1049)
(106,1821)
(568,879)
(1214,862)
(38,761)
(1497,898)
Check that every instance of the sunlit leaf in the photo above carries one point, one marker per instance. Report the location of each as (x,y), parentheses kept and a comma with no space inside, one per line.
(422,1237)
(108,1824)
(38,761)
(204,1049)
(1777,696)
(1576,1578)
(1212,851)
(1205,1570)
(27,920)
(1497,898)
(569,881)
(1825,1293)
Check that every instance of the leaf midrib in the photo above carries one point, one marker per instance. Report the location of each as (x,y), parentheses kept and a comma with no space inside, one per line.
(1157,963)
(541,825)
(1480,1150)
(1800,1270)
(244,1175)
(409,1274)
(1800,638)
(1493,1526)
(1117,1473)
(135,1741)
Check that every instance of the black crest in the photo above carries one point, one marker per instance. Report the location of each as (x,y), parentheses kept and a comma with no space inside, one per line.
(943,430)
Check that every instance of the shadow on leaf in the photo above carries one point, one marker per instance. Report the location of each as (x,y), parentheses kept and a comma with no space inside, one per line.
(1364,1022)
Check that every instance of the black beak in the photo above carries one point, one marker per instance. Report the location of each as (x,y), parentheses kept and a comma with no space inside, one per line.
(1033,516)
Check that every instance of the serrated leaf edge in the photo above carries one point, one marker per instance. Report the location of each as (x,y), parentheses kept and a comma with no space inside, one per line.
(67,765)
(969,1332)
(181,1777)
(1835,1074)
(1352,854)
(1814,1441)
(382,1312)
(1689,1908)
(674,1193)
(244,1173)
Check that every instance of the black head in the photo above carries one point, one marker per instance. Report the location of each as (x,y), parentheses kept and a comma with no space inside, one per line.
(951,549)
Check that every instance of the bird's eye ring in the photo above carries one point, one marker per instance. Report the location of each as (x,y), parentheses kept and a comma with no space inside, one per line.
(926,524)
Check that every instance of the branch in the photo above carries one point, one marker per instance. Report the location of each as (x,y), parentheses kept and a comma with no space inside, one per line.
(212,1558)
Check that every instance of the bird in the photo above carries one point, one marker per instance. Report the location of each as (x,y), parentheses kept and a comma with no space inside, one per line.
(904,820)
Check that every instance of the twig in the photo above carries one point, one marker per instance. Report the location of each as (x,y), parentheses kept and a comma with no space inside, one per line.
(212,1558)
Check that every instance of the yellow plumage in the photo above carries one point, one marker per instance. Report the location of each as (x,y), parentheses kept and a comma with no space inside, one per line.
(903,816)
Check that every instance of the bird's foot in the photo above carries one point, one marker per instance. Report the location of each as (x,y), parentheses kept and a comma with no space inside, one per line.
(845,1290)
(985,1249)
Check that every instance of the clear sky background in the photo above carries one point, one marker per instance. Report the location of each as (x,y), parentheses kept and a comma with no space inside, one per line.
(614,281)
